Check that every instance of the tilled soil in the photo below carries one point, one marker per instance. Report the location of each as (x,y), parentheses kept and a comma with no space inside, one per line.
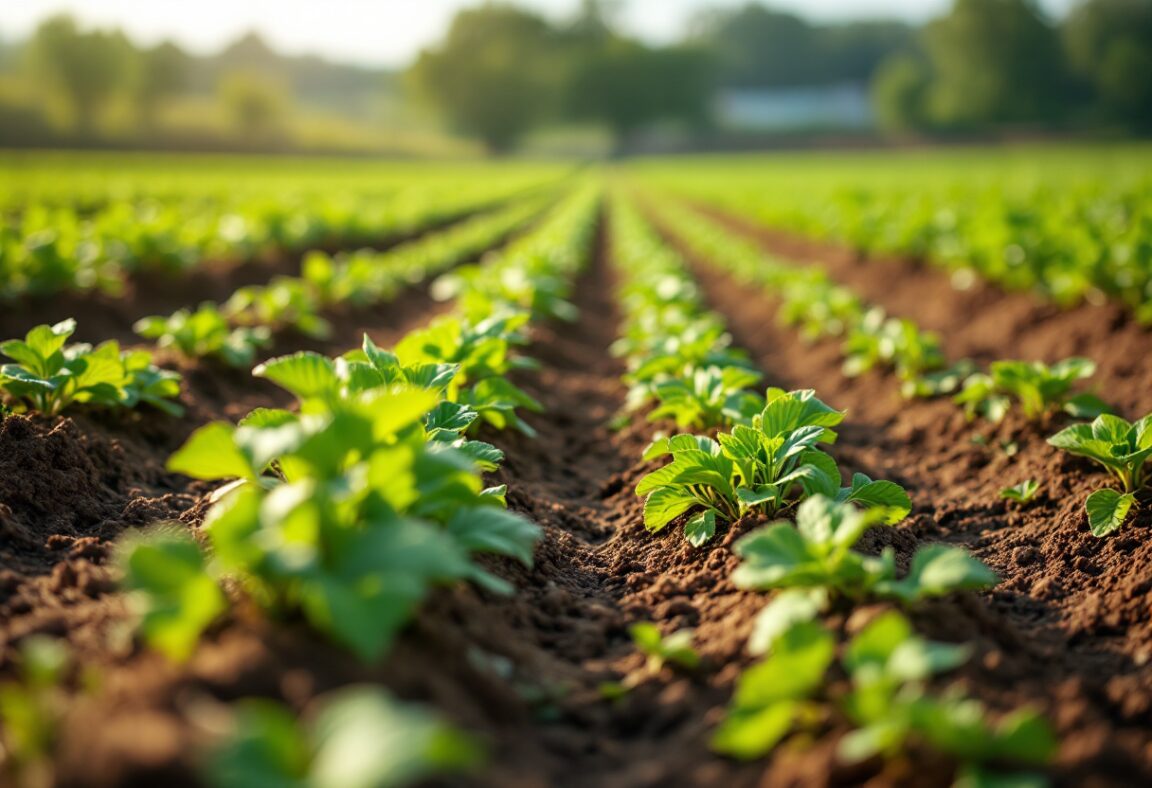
(1067,629)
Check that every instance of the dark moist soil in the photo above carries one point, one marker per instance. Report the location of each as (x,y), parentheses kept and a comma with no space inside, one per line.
(524,672)
(1068,628)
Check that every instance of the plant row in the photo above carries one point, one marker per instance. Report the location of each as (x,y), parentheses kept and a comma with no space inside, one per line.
(763,457)
(1072,237)
(349,509)
(233,331)
(48,248)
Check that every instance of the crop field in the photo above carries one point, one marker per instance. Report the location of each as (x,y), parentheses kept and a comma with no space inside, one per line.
(783,470)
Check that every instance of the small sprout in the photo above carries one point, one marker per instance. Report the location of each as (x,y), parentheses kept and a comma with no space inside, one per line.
(1039,388)
(1021,493)
(675,649)
(1124,449)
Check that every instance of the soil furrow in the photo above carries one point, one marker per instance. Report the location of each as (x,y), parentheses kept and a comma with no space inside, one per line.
(982,322)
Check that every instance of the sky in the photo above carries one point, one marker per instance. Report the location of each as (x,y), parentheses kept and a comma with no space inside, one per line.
(386,32)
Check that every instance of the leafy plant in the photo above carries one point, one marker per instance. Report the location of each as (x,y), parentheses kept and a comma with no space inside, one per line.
(888,702)
(775,695)
(49,375)
(170,589)
(1021,493)
(709,397)
(763,467)
(358,737)
(1124,449)
(889,666)
(285,302)
(205,332)
(675,649)
(817,553)
(31,710)
(1040,389)
(353,509)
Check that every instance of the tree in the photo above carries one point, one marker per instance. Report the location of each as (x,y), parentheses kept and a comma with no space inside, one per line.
(87,67)
(1109,46)
(994,62)
(899,91)
(759,47)
(627,85)
(163,72)
(256,104)
(491,74)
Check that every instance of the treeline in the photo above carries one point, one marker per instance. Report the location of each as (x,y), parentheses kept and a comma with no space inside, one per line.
(985,65)
(72,85)
(502,71)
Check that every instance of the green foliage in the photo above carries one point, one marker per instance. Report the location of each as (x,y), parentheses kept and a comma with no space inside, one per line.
(204,332)
(358,737)
(762,467)
(49,375)
(888,702)
(776,694)
(817,554)
(1124,449)
(30,711)
(170,589)
(1021,493)
(675,649)
(490,73)
(283,303)
(993,62)
(1039,388)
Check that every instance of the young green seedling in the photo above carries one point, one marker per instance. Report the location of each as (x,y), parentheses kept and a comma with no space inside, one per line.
(1021,493)
(202,333)
(1040,389)
(763,467)
(1124,449)
(816,553)
(49,375)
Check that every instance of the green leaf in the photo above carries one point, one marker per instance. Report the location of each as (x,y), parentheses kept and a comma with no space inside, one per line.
(881,494)
(304,374)
(664,505)
(752,734)
(700,528)
(365,739)
(491,529)
(211,453)
(1107,510)
(1023,492)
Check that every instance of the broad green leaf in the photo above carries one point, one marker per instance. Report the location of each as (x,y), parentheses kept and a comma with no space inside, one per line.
(664,505)
(1107,510)
(700,528)
(211,453)
(304,374)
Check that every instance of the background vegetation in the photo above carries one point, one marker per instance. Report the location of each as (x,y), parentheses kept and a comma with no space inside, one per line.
(503,74)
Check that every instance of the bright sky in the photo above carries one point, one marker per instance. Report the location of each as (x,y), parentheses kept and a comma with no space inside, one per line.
(384,32)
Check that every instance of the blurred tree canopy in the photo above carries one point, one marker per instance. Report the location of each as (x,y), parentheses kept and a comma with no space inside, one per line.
(1109,46)
(490,75)
(993,61)
(757,46)
(88,67)
(502,70)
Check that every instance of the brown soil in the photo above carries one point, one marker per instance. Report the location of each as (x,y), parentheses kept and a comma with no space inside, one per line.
(1067,629)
